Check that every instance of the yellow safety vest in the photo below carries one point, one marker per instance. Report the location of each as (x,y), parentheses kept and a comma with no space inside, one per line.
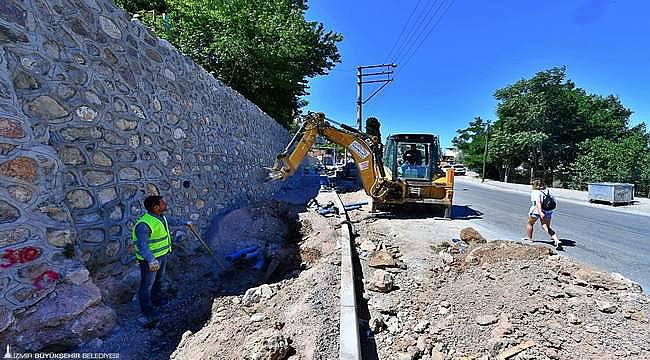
(160,241)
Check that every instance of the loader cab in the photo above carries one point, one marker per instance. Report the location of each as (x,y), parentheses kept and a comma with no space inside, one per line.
(412,156)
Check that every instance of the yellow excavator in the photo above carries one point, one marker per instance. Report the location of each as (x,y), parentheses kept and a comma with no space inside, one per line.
(404,172)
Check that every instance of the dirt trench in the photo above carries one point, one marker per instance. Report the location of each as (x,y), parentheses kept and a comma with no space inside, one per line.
(297,261)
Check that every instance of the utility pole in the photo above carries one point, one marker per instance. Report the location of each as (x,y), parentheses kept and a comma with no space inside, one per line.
(360,81)
(487,132)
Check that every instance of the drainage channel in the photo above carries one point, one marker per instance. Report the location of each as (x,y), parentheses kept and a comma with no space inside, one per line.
(349,340)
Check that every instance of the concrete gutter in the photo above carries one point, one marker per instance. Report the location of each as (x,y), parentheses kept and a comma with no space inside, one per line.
(349,341)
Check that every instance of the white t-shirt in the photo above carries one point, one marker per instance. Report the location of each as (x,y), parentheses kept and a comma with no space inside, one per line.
(538,195)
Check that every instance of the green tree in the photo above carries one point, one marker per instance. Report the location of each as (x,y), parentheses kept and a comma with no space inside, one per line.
(625,159)
(266,50)
(471,142)
(550,104)
(507,149)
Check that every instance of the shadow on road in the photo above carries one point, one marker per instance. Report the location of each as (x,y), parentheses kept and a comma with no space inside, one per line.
(565,242)
(462,212)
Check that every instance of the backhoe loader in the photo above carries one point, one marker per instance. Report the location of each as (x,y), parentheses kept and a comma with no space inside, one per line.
(405,172)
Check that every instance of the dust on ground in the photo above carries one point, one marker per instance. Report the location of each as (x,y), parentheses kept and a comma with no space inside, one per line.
(449,298)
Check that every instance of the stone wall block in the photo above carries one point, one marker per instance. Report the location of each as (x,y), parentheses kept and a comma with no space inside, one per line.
(79,199)
(12,237)
(20,168)
(47,108)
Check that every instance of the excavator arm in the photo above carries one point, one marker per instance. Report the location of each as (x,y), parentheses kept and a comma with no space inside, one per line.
(363,148)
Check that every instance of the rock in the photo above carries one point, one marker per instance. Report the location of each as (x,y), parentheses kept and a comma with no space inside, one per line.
(11,129)
(392,325)
(254,295)
(443,310)
(77,276)
(46,108)
(504,327)
(601,280)
(95,321)
(109,27)
(96,178)
(6,318)
(384,304)
(22,168)
(20,193)
(446,257)
(100,158)
(79,199)
(367,245)
(13,236)
(64,304)
(606,307)
(267,291)
(485,320)
(8,213)
(120,290)
(381,281)
(421,326)
(381,258)
(471,236)
(573,319)
(423,343)
(129,173)
(86,113)
(124,124)
(256,318)
(576,291)
(106,195)
(377,325)
(437,355)
(265,344)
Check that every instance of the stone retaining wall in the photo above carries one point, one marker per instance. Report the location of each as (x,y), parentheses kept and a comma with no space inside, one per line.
(96,113)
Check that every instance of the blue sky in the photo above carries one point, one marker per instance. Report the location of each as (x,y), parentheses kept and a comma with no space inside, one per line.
(478,47)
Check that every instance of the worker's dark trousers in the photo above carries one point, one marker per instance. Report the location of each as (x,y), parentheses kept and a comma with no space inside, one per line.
(150,292)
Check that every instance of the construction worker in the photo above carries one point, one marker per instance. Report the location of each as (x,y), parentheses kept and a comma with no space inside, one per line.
(413,156)
(152,241)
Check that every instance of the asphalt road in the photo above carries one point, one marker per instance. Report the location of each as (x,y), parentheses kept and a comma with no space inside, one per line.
(609,240)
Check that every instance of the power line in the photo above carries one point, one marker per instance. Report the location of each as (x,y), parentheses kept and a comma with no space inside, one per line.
(406,24)
(444,12)
(416,41)
(416,29)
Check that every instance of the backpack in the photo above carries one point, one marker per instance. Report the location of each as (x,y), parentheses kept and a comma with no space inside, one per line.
(548,203)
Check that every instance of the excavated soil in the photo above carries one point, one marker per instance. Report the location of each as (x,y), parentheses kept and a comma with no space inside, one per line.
(454,299)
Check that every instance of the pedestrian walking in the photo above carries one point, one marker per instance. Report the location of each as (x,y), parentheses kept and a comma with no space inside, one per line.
(542,207)
(153,243)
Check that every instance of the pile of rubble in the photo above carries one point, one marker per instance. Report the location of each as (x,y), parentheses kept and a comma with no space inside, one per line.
(498,300)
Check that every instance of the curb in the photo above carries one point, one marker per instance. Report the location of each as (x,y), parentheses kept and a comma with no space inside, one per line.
(350,346)
(349,341)
(564,199)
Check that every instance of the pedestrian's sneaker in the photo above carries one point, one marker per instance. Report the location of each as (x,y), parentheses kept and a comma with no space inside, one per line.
(526,239)
(557,242)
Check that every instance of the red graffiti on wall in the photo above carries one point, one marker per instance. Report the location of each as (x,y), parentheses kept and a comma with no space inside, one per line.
(12,257)
(48,276)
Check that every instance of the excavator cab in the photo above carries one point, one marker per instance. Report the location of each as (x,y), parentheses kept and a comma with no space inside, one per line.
(414,160)
(412,156)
